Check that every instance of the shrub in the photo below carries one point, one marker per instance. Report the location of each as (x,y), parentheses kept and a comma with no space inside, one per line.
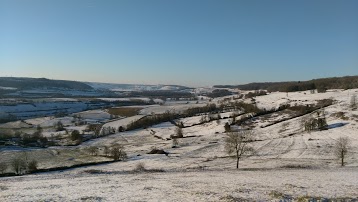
(93,171)
(227,127)
(92,150)
(312,124)
(321,90)
(256,93)
(318,123)
(120,129)
(152,120)
(32,166)
(140,167)
(118,153)
(158,151)
(203,119)
(59,126)
(199,110)
(76,136)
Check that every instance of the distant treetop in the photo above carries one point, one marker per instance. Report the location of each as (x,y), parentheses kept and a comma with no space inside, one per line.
(346,82)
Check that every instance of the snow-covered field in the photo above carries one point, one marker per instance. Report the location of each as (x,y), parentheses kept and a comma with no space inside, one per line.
(132,87)
(50,121)
(42,108)
(123,122)
(94,115)
(289,164)
(171,108)
(125,99)
(275,99)
(196,185)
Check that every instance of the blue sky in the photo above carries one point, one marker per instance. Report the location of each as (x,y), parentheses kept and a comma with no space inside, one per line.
(187,42)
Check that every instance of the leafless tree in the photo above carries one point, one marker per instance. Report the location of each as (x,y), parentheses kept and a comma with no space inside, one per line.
(175,142)
(341,149)
(106,150)
(118,153)
(203,119)
(227,127)
(311,123)
(3,167)
(32,166)
(59,126)
(18,164)
(238,143)
(92,150)
(179,132)
(353,102)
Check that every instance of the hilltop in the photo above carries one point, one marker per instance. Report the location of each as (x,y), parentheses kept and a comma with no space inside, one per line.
(347,82)
(22,83)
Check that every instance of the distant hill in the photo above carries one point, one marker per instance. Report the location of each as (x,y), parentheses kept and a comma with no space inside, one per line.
(346,82)
(19,87)
(41,83)
(135,87)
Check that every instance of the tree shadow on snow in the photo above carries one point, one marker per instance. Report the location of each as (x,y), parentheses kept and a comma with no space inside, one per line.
(336,125)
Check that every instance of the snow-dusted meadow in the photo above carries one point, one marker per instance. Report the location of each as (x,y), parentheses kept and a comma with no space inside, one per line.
(195,185)
(289,163)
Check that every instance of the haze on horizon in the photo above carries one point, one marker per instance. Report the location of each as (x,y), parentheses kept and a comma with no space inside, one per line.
(186,42)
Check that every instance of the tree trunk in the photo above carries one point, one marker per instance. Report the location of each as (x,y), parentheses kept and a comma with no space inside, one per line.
(342,159)
(237,163)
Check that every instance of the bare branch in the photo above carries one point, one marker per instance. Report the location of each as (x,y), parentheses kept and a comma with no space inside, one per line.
(341,149)
(238,143)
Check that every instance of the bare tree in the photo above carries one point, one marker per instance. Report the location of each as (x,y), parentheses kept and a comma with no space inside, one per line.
(311,123)
(175,142)
(179,132)
(203,119)
(59,126)
(18,164)
(118,153)
(341,149)
(3,167)
(92,150)
(106,151)
(32,166)
(353,102)
(238,143)
(227,127)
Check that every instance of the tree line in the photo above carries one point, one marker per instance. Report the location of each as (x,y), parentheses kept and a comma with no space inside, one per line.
(321,84)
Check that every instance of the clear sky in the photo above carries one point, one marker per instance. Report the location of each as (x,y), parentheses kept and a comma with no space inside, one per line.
(188,42)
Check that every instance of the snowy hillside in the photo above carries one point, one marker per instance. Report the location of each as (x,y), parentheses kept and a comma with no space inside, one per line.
(289,163)
(133,87)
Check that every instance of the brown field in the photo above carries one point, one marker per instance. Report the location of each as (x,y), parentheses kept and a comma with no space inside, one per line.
(125,111)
